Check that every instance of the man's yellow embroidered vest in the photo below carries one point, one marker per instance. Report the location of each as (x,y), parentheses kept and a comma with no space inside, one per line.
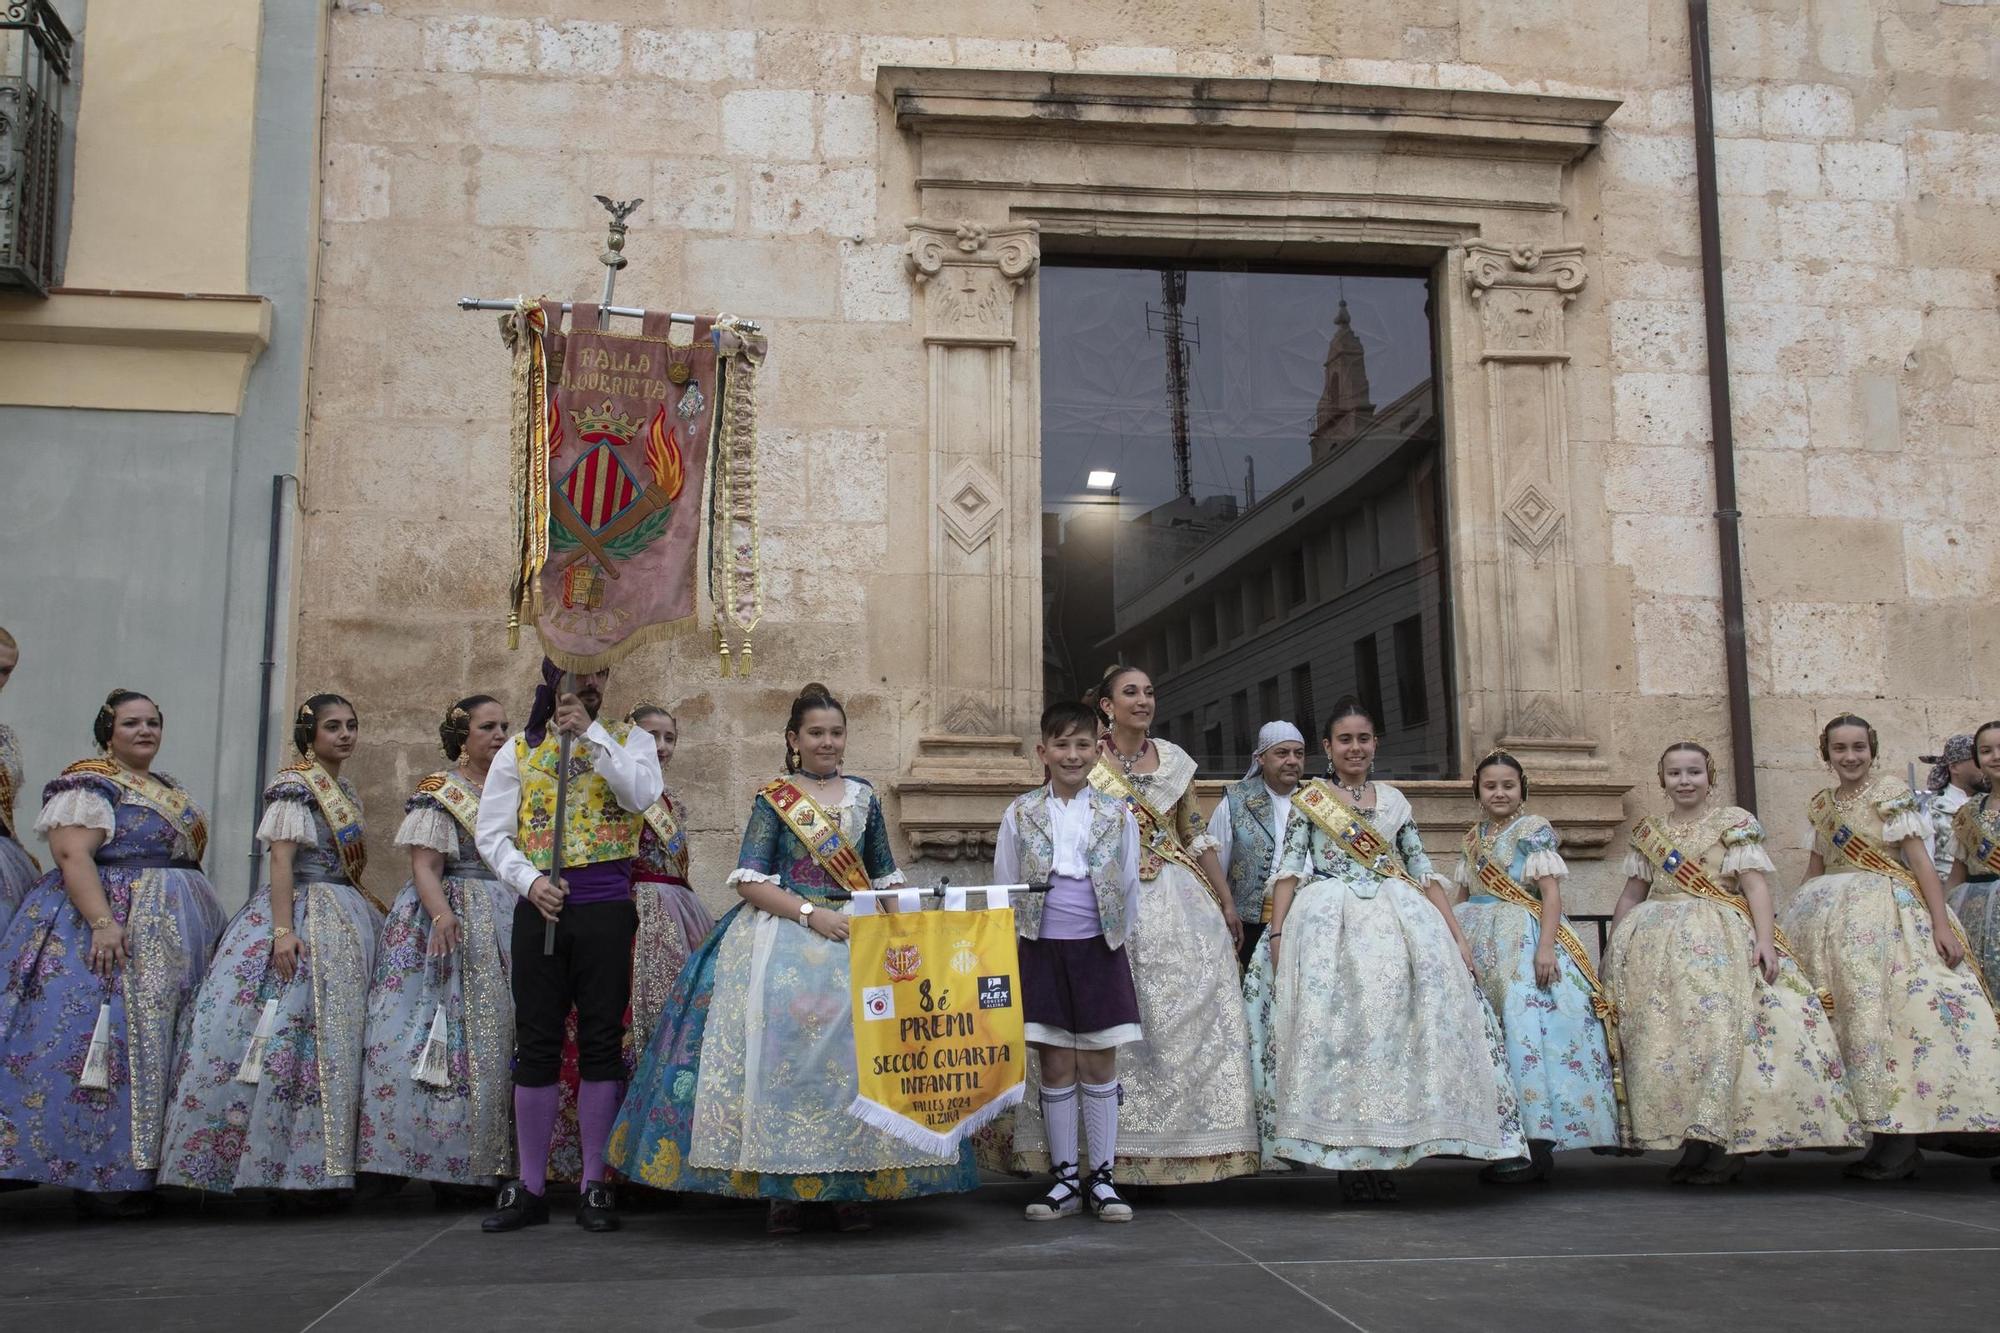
(596,827)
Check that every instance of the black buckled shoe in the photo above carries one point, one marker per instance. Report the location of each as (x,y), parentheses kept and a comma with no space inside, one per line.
(597,1208)
(518,1208)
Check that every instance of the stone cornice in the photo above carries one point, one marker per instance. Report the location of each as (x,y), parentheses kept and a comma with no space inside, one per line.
(130,350)
(1378,116)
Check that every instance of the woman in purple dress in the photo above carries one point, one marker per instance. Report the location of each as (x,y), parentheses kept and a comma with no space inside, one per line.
(102,962)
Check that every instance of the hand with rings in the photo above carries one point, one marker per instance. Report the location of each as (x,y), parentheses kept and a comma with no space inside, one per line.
(107,947)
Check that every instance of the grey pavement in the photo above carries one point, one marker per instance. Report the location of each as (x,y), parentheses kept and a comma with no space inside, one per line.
(1605,1245)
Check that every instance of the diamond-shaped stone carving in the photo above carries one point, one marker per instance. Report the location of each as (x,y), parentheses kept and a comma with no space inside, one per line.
(1534,518)
(969,503)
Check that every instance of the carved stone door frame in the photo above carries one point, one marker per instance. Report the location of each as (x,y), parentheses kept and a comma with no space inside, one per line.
(1477,187)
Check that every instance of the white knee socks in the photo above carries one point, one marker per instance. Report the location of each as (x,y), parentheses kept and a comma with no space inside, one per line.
(1059,1117)
(1100,1122)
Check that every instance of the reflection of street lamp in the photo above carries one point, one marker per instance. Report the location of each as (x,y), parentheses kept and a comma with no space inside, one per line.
(1100,480)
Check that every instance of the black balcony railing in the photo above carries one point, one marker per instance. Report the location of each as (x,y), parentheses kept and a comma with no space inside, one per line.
(35,49)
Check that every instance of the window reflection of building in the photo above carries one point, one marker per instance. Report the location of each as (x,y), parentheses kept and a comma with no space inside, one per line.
(1275,605)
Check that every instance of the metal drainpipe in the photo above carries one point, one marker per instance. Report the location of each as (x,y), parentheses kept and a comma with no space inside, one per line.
(1728,519)
(270,662)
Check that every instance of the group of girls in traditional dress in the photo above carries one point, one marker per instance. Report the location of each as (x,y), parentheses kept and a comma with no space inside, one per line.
(1388,1013)
(311,1042)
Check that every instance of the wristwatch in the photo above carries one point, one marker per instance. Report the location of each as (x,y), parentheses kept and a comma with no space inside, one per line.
(806,915)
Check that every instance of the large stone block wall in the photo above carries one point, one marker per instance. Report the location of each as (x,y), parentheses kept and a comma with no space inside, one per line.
(1859,164)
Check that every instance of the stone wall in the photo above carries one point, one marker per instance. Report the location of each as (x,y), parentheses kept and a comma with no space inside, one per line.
(1859,163)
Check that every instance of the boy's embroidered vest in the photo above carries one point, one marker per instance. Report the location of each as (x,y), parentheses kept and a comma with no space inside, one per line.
(1248,807)
(1038,854)
(596,827)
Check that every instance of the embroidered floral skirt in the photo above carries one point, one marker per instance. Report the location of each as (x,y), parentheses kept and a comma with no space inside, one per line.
(461,1133)
(295,1128)
(1555,1042)
(1978,909)
(1187,1116)
(745,1088)
(1919,1039)
(51,1130)
(1712,1051)
(17,875)
(1372,1047)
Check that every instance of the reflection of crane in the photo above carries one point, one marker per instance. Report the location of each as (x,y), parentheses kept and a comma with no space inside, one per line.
(1173,293)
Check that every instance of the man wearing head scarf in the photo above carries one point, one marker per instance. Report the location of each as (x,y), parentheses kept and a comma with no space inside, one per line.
(1249,825)
(1954,779)
(614,774)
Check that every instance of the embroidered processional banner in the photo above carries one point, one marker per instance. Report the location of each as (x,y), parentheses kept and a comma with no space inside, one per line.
(613,437)
(938,1030)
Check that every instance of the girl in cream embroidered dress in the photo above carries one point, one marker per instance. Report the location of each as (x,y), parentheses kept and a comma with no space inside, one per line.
(1187,1116)
(1715,1053)
(1371,1045)
(1918,1037)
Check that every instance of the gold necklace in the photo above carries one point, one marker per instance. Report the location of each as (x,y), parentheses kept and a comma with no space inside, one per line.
(1859,795)
(1681,832)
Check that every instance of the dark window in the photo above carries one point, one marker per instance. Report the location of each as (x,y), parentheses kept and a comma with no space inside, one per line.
(1295,577)
(1411,694)
(1241,476)
(1246,731)
(1267,702)
(1368,676)
(1303,712)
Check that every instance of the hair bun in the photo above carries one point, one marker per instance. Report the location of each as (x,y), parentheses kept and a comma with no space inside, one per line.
(814,690)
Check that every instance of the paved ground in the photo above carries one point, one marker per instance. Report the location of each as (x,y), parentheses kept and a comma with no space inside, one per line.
(1607,1246)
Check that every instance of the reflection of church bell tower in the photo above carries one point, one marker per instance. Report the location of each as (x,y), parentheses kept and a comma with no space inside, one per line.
(1344,409)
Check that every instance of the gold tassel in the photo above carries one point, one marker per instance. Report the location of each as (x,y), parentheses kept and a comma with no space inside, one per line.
(251,1071)
(97,1062)
(743,659)
(430,1069)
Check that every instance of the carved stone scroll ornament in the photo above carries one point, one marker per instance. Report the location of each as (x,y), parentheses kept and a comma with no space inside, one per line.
(969,273)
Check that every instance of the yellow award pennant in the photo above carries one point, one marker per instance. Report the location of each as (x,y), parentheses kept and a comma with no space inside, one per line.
(938,1037)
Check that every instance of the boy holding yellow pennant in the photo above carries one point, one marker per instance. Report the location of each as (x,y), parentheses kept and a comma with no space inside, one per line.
(937,1016)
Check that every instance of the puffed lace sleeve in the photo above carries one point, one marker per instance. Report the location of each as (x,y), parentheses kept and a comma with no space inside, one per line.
(288,813)
(79,801)
(1743,846)
(426,823)
(1900,816)
(1538,840)
(1636,866)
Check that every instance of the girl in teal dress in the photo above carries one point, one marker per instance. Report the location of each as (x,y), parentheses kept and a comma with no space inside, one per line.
(745,1087)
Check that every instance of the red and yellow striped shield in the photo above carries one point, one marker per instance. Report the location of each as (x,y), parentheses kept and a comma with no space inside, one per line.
(599,486)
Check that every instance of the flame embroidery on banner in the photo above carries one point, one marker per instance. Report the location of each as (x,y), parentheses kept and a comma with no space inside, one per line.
(663,455)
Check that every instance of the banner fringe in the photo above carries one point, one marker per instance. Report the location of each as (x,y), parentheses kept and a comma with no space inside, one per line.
(899,1126)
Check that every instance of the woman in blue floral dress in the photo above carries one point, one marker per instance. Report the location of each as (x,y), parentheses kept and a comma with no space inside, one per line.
(102,961)
(437,1095)
(771,982)
(1549,1007)
(268,1095)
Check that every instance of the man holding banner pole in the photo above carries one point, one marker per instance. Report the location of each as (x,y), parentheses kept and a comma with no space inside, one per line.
(1077,994)
(613,776)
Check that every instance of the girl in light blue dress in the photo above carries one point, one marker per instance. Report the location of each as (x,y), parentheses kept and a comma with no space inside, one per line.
(1539,982)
